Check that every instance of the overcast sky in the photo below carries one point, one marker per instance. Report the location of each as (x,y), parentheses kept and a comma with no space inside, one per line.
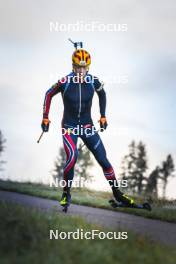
(33,57)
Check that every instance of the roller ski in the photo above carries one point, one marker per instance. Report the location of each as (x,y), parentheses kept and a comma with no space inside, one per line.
(115,204)
(123,201)
(65,201)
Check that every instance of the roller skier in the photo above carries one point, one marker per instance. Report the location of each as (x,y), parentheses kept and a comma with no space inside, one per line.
(77,90)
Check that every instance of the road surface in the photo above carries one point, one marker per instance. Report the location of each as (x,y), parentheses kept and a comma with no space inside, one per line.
(155,230)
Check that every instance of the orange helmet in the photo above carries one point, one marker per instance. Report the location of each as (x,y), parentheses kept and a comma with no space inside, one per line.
(81,58)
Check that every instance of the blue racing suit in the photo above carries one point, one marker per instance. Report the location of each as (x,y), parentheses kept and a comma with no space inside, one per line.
(77,99)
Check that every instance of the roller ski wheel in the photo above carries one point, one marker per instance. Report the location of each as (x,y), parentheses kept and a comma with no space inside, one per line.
(65,201)
(115,204)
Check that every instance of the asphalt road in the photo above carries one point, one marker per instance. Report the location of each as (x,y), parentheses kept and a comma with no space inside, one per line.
(155,230)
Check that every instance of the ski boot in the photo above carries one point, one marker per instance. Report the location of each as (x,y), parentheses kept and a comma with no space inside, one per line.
(65,201)
(120,197)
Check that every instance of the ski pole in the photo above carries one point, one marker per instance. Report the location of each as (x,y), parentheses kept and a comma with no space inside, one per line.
(40,137)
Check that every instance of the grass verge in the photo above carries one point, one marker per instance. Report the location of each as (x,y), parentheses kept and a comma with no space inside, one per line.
(24,236)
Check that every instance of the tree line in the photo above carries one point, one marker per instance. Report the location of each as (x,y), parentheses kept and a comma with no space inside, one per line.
(135,171)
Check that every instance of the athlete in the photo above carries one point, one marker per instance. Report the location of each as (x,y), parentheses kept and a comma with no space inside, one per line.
(77,90)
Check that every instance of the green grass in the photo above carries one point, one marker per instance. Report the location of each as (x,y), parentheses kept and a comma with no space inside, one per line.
(90,198)
(24,238)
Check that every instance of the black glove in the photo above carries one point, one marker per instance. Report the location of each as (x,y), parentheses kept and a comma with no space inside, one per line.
(103,123)
(45,124)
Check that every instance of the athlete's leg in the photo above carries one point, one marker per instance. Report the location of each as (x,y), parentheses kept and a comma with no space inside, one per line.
(95,145)
(70,146)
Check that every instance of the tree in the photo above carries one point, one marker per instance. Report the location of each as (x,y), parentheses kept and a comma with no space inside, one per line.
(166,171)
(152,182)
(82,166)
(141,164)
(2,147)
(129,167)
(134,167)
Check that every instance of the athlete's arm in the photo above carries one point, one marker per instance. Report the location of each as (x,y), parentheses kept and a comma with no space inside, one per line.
(101,95)
(55,89)
(102,103)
